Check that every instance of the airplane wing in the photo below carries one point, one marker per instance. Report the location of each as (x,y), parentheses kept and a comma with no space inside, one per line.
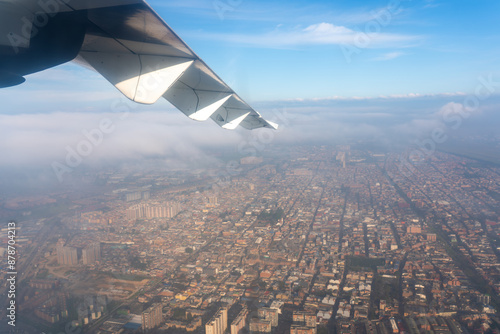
(135,50)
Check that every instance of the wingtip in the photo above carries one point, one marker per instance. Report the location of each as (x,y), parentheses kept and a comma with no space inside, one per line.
(273,125)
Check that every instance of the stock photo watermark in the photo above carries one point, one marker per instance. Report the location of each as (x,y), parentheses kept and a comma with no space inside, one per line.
(453,118)
(84,148)
(11,273)
(222,7)
(250,147)
(364,39)
(92,139)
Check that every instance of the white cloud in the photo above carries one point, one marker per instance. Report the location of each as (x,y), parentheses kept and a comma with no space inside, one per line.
(380,97)
(327,29)
(456,109)
(41,139)
(431,4)
(450,108)
(156,135)
(316,34)
(389,56)
(417,127)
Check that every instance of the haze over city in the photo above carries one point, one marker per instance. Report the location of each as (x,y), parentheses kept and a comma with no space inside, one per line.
(412,75)
(372,209)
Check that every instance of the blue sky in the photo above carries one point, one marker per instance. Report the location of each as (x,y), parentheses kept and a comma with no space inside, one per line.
(297,49)
(325,71)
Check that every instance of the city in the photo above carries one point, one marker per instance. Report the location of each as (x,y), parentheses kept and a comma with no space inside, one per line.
(249,167)
(303,239)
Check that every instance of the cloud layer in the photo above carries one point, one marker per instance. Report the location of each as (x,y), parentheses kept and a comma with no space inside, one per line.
(169,136)
(322,33)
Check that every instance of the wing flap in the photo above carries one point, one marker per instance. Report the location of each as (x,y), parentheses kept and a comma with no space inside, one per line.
(131,46)
(198,93)
(143,79)
(255,121)
(234,118)
(158,74)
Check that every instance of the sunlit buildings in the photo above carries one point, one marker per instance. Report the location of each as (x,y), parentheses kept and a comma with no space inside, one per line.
(67,255)
(151,211)
(303,323)
(260,326)
(240,322)
(218,324)
(152,317)
(137,196)
(269,314)
(91,253)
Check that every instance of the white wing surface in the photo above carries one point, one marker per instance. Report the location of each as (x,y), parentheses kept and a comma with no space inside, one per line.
(135,50)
